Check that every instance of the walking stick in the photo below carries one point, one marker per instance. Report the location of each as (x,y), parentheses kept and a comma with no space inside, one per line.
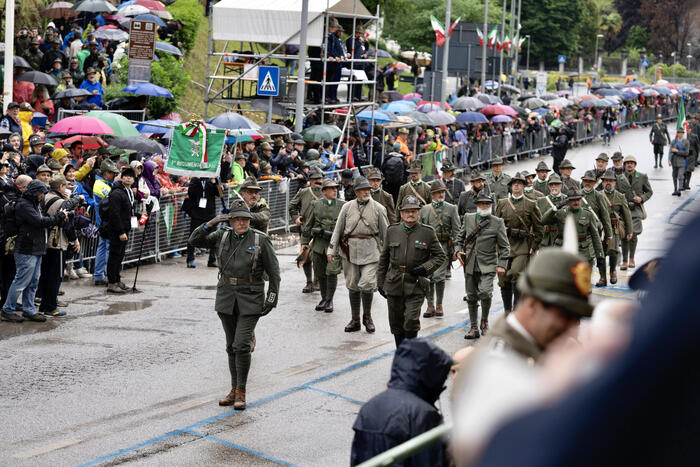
(149,208)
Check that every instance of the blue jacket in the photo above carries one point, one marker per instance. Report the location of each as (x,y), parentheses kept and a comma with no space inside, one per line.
(97,98)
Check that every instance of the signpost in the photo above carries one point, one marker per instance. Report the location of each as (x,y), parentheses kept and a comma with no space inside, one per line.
(269,85)
(142,44)
(561,59)
(541,86)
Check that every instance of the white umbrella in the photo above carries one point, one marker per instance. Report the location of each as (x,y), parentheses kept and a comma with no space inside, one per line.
(133,10)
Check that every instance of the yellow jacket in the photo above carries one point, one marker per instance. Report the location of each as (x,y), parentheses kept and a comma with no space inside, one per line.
(83,172)
(25,117)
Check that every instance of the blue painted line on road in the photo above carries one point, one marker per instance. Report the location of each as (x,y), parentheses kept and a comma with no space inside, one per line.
(334,394)
(238,447)
(131,448)
(681,207)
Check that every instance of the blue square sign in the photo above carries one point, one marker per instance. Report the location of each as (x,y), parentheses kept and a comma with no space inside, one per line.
(268,81)
(561,59)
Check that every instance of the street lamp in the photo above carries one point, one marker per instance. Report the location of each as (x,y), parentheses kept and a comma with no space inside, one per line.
(527,61)
(690,56)
(595,63)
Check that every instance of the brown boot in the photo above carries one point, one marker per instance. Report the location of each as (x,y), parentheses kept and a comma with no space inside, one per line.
(353,325)
(613,277)
(603,282)
(623,266)
(631,263)
(317,286)
(429,312)
(369,324)
(308,288)
(438,311)
(239,403)
(484,325)
(229,400)
(252,344)
(473,333)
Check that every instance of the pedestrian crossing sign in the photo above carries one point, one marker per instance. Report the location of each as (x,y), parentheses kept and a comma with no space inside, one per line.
(268,81)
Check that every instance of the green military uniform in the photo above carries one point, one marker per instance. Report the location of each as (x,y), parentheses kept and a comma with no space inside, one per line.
(409,255)
(260,213)
(467,198)
(530,192)
(498,185)
(240,292)
(552,236)
(568,183)
(383,198)
(455,187)
(419,190)
(443,218)
(594,201)
(589,245)
(300,206)
(622,184)
(542,185)
(319,227)
(639,186)
(524,229)
(484,242)
(621,220)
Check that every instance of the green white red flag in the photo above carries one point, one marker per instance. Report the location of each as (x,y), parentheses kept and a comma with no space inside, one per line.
(439,30)
(493,37)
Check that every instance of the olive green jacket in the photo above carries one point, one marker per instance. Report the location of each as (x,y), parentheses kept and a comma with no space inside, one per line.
(491,248)
(443,219)
(385,199)
(421,188)
(595,202)
(551,235)
(322,215)
(503,337)
(498,186)
(527,210)
(589,244)
(569,185)
(639,186)
(620,217)
(261,216)
(245,259)
(542,186)
(301,203)
(533,194)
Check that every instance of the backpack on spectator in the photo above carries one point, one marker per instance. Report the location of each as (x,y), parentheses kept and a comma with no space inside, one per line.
(393,170)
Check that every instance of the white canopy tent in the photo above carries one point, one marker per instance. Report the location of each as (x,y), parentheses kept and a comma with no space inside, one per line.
(275,21)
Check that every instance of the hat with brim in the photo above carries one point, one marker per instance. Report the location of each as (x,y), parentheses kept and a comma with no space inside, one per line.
(409,202)
(496,161)
(361,183)
(518,177)
(588,177)
(298,141)
(566,164)
(12,105)
(476,175)
(483,198)
(630,159)
(415,167)
(316,174)
(250,183)
(437,186)
(617,156)
(542,166)
(375,175)
(574,194)
(447,165)
(328,183)
(602,157)
(526,174)
(560,279)
(554,178)
(44,168)
(239,209)
(609,175)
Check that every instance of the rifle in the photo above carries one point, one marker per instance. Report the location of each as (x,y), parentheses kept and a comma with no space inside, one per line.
(472,238)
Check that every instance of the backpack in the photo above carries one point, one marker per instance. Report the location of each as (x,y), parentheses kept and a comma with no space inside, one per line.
(103,209)
(11,228)
(393,170)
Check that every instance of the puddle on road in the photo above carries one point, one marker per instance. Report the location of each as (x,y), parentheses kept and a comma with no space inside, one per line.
(120,307)
(202,287)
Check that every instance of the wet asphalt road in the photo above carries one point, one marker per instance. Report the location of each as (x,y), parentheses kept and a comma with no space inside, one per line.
(135,379)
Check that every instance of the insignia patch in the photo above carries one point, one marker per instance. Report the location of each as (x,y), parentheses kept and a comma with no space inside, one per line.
(581,273)
(251,248)
(420,243)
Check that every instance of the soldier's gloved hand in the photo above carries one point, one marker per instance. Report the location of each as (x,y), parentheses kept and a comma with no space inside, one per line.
(270,303)
(419,271)
(600,262)
(381,292)
(215,221)
(562,203)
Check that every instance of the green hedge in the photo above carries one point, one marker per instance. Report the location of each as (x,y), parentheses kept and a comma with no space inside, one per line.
(190,12)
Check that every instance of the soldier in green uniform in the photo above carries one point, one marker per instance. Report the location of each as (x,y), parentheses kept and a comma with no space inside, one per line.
(415,186)
(640,192)
(260,212)
(524,229)
(497,181)
(541,184)
(552,234)
(455,187)
(586,226)
(601,165)
(594,201)
(530,191)
(467,198)
(443,218)
(299,208)
(483,249)
(410,253)
(659,137)
(678,160)
(319,228)
(620,219)
(568,183)
(244,256)
(622,185)
(374,177)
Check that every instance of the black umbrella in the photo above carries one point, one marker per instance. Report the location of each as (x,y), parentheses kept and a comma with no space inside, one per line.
(71,92)
(275,129)
(138,143)
(38,77)
(18,62)
(525,97)
(602,85)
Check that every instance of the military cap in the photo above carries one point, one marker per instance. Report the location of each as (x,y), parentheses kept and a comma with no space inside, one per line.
(574,194)
(65,74)
(476,175)
(602,157)
(346,174)
(264,165)
(409,202)
(303,165)
(295,136)
(239,156)
(329,183)
(315,174)
(630,159)
(403,130)
(238,208)
(35,140)
(447,165)
(542,166)
(374,175)
(396,146)
(526,174)
(333,22)
(609,175)
(415,167)
(589,176)
(57,60)
(437,185)
(645,275)
(496,161)
(617,156)
(359,28)
(12,105)
(57,180)
(312,155)
(361,183)
(483,198)
(298,141)
(554,178)
(266,139)
(518,177)
(266,147)
(680,130)
(35,40)
(43,168)
(55,40)
(559,278)
(108,166)
(250,183)
(566,164)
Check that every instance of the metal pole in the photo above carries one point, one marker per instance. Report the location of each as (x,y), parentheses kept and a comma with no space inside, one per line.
(527,61)
(210,49)
(595,62)
(469,62)
(483,47)
(9,53)
(374,85)
(301,68)
(445,53)
(515,70)
(269,110)
(503,38)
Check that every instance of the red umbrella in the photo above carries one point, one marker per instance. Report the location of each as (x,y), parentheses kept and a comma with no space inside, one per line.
(398,66)
(498,109)
(89,142)
(82,125)
(152,5)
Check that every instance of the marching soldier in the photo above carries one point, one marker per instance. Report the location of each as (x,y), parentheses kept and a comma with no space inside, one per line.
(568,183)
(678,160)
(497,181)
(524,229)
(621,185)
(443,218)
(694,150)
(415,186)
(620,219)
(319,227)
(601,165)
(467,198)
(530,191)
(244,255)
(659,137)
(455,187)
(260,212)
(541,184)
(483,249)
(594,201)
(358,234)
(299,208)
(552,235)
(586,226)
(640,192)
(380,196)
(411,252)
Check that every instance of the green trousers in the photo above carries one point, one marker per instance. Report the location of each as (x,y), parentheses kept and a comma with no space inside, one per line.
(404,313)
(239,336)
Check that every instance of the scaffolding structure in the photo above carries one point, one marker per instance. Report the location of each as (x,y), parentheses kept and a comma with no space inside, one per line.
(232,75)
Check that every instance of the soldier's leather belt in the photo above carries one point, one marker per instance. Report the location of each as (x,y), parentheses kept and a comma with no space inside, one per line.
(395,266)
(582,239)
(241,280)
(613,221)
(443,238)
(549,228)
(360,236)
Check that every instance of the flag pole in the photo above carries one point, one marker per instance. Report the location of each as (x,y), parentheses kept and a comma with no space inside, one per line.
(483,47)
(445,54)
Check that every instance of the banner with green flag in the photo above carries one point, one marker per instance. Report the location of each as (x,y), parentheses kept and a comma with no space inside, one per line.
(196,150)
(682,122)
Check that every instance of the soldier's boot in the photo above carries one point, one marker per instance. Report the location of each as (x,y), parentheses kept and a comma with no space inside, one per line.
(516,296)
(439,295)
(230,398)
(675,188)
(308,272)
(485,308)
(239,403)
(323,285)
(613,269)
(429,312)
(473,332)
(410,334)
(317,285)
(507,297)
(633,250)
(367,311)
(686,181)
(308,288)
(331,284)
(355,303)
(625,253)
(398,338)
(603,282)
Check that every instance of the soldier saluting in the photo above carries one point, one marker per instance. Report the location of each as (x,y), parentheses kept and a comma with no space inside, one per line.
(411,252)
(244,255)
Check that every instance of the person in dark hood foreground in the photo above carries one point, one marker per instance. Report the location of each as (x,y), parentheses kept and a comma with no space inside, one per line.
(407,408)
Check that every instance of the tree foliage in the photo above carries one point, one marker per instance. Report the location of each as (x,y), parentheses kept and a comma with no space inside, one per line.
(610,26)
(669,23)
(191,13)
(630,15)
(554,27)
(638,37)
(589,26)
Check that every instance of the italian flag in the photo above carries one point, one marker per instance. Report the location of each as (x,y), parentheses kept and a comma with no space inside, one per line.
(520,43)
(492,37)
(439,30)
(449,31)
(481,37)
(506,43)
(682,122)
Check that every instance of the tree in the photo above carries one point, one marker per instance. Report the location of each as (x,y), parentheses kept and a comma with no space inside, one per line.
(589,26)
(669,23)
(610,25)
(638,37)
(553,26)
(629,13)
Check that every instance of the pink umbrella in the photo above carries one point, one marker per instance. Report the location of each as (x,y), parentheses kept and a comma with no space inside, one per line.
(412,95)
(107,26)
(113,17)
(81,125)
(498,109)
